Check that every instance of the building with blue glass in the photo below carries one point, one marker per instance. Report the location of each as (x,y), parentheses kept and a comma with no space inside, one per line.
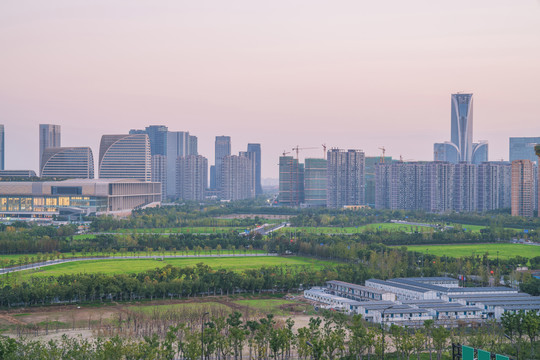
(522,148)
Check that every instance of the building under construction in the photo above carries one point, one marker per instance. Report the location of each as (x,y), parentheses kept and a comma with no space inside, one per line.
(291,181)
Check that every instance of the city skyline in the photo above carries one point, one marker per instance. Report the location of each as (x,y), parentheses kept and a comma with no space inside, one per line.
(351,76)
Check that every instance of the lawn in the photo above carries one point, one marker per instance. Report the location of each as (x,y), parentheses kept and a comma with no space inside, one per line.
(352,229)
(32,258)
(139,265)
(266,306)
(505,250)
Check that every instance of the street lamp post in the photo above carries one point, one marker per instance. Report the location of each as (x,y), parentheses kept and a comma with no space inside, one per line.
(202,334)
(382,326)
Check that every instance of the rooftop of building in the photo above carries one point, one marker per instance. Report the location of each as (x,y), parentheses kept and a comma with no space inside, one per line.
(500,289)
(400,285)
(358,287)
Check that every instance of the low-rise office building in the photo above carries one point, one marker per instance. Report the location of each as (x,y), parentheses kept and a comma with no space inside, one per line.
(47,199)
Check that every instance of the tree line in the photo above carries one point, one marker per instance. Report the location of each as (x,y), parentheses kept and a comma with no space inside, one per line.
(325,337)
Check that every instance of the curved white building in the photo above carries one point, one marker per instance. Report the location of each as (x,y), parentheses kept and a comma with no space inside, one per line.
(125,157)
(68,162)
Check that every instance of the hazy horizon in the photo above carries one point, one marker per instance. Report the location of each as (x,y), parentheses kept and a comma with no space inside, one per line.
(346,74)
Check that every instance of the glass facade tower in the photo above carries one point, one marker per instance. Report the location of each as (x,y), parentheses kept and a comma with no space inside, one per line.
(49,137)
(68,163)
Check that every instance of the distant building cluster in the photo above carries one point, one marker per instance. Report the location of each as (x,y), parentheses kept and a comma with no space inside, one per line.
(460,178)
(153,155)
(411,301)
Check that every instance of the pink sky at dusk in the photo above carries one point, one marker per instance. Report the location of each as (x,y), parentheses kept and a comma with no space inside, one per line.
(351,74)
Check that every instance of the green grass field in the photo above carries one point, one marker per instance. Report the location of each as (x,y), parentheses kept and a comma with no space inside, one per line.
(378,226)
(135,266)
(33,257)
(353,230)
(505,250)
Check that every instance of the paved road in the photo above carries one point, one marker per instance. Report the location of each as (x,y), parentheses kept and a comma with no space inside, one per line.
(61,261)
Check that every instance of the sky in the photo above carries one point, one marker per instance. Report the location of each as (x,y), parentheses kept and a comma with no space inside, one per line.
(345,73)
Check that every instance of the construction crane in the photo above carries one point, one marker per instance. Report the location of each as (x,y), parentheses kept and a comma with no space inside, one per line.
(285,153)
(383,152)
(297,149)
(324,151)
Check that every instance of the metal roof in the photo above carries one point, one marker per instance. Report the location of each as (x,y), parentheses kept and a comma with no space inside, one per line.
(401,286)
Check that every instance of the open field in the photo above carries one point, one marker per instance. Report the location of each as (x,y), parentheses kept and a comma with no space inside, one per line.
(140,265)
(505,250)
(33,257)
(353,230)
(379,226)
(53,321)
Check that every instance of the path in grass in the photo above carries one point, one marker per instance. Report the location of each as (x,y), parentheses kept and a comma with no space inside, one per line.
(238,263)
(505,250)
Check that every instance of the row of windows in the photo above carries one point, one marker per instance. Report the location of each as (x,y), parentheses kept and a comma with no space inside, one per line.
(47,204)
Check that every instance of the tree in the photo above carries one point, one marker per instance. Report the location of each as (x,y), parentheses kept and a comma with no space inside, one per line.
(440,338)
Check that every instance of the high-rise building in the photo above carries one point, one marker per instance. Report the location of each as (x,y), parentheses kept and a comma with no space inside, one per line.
(2,147)
(439,187)
(537,151)
(383,185)
(315,182)
(345,178)
(523,148)
(370,175)
(49,137)
(125,156)
(157,134)
(480,152)
(255,150)
(192,177)
(291,181)
(177,146)
(494,186)
(523,188)
(401,186)
(222,149)
(159,173)
(465,187)
(193,145)
(237,178)
(213,177)
(68,163)
(462,125)
(461,148)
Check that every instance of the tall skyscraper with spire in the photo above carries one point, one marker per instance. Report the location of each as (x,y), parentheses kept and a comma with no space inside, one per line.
(461,148)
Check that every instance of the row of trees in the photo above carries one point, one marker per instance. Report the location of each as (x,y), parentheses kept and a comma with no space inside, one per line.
(330,336)
(166,283)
